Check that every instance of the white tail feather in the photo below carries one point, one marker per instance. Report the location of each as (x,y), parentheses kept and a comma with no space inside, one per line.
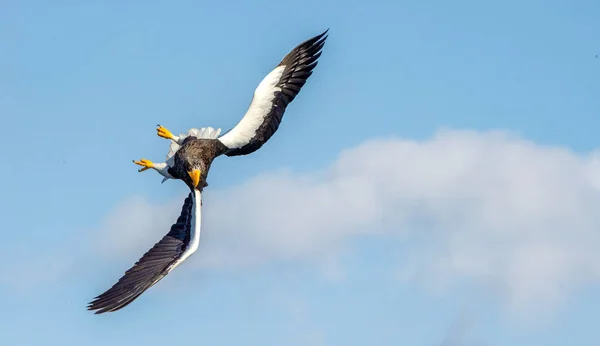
(204,132)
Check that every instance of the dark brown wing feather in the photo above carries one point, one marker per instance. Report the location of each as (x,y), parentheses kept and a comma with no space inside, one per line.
(153,266)
(299,65)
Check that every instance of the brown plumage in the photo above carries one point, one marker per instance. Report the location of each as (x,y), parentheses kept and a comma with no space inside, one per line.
(198,154)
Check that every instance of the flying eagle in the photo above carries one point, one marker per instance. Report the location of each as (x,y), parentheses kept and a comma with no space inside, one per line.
(189,159)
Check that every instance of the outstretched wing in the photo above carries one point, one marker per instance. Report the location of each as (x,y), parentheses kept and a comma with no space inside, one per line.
(271,98)
(181,241)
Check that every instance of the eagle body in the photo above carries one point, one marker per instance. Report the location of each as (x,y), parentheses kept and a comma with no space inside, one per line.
(196,152)
(189,159)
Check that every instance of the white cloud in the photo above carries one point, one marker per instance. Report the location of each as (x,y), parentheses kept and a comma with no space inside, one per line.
(520,218)
(300,329)
(460,332)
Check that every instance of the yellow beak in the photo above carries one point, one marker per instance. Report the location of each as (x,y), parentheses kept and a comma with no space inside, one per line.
(195,175)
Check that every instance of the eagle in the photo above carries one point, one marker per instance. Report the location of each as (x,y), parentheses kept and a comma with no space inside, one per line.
(189,159)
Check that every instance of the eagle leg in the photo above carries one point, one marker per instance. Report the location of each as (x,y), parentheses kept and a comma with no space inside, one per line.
(160,167)
(146,164)
(164,133)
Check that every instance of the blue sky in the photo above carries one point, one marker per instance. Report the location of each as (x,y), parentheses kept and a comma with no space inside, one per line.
(434,183)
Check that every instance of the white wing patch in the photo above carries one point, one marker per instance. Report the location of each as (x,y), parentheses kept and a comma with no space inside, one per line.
(195,227)
(261,104)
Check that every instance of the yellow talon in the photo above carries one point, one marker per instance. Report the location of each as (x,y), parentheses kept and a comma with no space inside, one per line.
(164,133)
(147,164)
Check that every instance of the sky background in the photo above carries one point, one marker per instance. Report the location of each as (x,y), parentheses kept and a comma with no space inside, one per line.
(435,183)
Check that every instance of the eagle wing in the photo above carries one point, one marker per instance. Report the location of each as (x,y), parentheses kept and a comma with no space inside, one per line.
(174,248)
(272,96)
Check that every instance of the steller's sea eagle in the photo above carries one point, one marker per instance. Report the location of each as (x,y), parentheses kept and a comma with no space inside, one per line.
(189,159)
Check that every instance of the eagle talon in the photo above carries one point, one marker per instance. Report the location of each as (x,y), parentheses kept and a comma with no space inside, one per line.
(147,164)
(163,132)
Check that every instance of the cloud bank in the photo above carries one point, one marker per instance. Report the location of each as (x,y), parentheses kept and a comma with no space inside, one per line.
(505,213)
